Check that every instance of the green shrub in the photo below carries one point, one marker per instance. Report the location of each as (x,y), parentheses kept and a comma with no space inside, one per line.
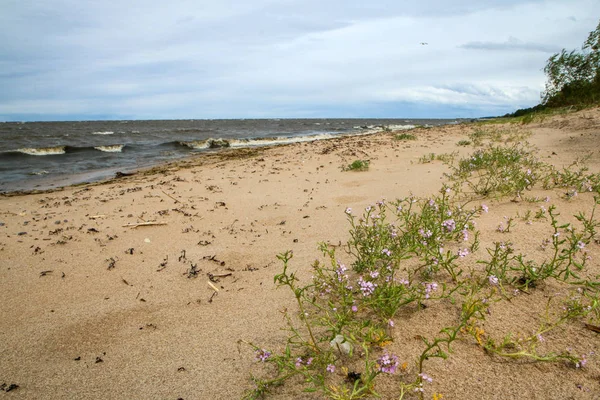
(405,136)
(358,165)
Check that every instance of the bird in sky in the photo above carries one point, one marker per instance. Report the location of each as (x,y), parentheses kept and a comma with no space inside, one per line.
(424,43)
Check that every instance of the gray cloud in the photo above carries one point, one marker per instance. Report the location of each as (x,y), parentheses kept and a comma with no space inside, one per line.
(238,58)
(511,44)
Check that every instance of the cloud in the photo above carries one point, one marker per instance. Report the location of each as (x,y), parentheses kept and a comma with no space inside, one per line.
(273,58)
(511,44)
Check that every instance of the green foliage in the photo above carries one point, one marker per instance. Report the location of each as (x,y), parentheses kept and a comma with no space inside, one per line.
(445,158)
(565,262)
(575,176)
(464,143)
(527,119)
(574,76)
(523,112)
(405,136)
(484,134)
(498,170)
(358,165)
(409,254)
(427,158)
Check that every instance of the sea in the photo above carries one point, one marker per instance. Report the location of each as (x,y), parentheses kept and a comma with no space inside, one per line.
(46,155)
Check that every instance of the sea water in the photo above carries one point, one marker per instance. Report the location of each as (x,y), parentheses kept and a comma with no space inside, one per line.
(42,155)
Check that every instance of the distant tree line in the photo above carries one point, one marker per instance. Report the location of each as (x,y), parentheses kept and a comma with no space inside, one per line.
(573,77)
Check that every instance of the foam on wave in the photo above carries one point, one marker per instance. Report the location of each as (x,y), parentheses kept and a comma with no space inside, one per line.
(114,148)
(103,133)
(401,127)
(44,151)
(206,144)
(196,144)
(279,140)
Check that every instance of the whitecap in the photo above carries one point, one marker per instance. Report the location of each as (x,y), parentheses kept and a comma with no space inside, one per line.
(44,151)
(401,127)
(197,144)
(114,148)
(270,141)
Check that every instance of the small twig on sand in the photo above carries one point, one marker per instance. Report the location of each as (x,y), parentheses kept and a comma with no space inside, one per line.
(211,297)
(167,194)
(221,275)
(213,287)
(593,328)
(144,224)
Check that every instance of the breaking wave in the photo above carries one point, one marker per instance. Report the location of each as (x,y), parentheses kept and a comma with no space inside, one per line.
(206,144)
(115,148)
(60,150)
(103,133)
(252,142)
(270,141)
(43,172)
(377,128)
(401,127)
(44,151)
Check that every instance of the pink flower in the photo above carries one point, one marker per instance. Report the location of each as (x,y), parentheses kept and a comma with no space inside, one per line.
(388,363)
(540,338)
(262,355)
(402,281)
(581,362)
(430,287)
(463,253)
(449,224)
(367,288)
(465,234)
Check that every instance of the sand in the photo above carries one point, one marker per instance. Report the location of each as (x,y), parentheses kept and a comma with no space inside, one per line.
(94,307)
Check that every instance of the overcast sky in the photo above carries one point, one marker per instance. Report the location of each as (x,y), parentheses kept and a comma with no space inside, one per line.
(151,59)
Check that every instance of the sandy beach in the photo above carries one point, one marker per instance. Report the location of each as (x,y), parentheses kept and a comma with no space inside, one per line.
(142,287)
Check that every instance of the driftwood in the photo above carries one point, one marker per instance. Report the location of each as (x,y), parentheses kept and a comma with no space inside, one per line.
(143,224)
